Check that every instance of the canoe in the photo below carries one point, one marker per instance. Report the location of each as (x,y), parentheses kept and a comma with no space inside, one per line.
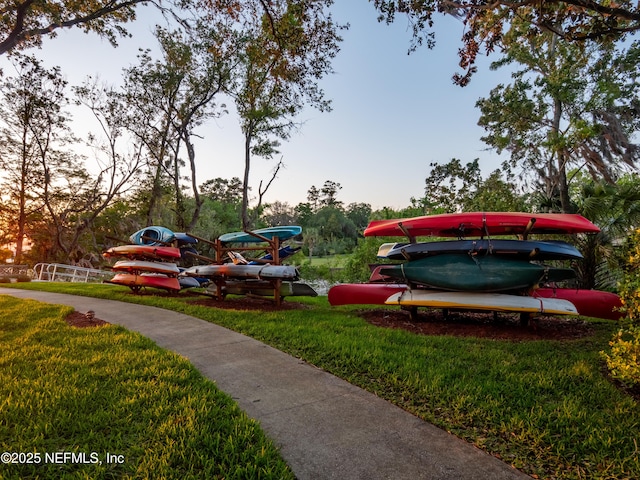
(284,232)
(527,249)
(590,303)
(495,302)
(136,282)
(481,224)
(142,266)
(479,273)
(363,293)
(153,235)
(265,289)
(229,270)
(143,252)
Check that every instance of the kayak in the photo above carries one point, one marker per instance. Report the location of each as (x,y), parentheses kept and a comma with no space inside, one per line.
(266,289)
(481,224)
(136,282)
(527,249)
(479,273)
(363,293)
(153,235)
(143,252)
(230,270)
(590,303)
(141,266)
(496,302)
(281,232)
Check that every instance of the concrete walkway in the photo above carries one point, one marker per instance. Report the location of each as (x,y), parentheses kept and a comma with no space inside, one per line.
(325,427)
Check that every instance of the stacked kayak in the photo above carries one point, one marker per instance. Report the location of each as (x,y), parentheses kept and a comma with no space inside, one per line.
(486,273)
(145,266)
(160,258)
(150,259)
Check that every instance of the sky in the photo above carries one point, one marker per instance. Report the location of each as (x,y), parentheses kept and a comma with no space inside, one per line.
(393,113)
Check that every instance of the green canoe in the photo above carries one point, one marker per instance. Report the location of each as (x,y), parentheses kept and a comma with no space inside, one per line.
(480,273)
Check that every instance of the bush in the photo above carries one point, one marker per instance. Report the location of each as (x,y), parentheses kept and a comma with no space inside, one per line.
(357,267)
(623,360)
(5,280)
(23,278)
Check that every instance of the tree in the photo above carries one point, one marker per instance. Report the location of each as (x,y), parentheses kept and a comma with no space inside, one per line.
(359,214)
(25,22)
(169,99)
(452,187)
(615,208)
(223,190)
(285,50)
(34,128)
(568,106)
(487,22)
(279,213)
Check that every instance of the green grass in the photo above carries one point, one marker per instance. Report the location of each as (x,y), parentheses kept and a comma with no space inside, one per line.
(545,407)
(106,390)
(332,261)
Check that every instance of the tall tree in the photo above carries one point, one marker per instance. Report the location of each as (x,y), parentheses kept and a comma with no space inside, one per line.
(34,128)
(285,49)
(568,106)
(170,98)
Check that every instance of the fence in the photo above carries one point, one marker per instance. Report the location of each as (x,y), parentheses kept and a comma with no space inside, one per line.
(13,270)
(58,272)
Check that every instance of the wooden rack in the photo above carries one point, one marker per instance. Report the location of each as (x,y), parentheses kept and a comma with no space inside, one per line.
(221,250)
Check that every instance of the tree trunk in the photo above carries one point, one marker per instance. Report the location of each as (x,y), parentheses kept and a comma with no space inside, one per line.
(245,181)
(561,155)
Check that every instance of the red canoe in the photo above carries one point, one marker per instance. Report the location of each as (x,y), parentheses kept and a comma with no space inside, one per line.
(363,293)
(481,224)
(590,303)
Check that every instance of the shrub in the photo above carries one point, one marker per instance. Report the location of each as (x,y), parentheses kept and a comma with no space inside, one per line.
(623,360)
(5,280)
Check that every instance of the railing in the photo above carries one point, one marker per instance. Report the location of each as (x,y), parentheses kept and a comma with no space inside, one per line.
(13,270)
(58,272)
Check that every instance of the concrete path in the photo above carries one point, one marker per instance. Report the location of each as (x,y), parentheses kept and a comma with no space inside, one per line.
(325,427)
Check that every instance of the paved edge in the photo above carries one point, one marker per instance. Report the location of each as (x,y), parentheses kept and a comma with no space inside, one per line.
(325,427)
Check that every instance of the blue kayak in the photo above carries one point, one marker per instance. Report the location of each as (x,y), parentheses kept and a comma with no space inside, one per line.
(281,232)
(153,235)
(525,249)
(283,253)
(185,239)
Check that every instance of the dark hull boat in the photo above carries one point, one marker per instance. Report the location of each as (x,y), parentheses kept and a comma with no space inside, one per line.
(526,249)
(488,273)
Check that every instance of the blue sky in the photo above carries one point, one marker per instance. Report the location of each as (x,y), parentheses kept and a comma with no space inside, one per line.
(393,114)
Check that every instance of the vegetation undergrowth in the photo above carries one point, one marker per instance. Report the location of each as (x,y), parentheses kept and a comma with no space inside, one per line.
(623,360)
(123,407)
(546,407)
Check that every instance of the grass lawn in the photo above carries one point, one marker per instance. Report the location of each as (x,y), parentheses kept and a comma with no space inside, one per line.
(545,407)
(108,403)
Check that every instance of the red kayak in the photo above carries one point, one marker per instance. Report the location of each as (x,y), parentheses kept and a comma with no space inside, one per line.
(363,293)
(153,252)
(136,282)
(590,303)
(481,224)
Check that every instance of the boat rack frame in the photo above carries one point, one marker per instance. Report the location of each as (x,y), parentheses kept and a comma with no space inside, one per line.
(221,250)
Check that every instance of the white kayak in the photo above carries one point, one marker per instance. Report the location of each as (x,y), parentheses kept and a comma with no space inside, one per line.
(481,301)
(229,270)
